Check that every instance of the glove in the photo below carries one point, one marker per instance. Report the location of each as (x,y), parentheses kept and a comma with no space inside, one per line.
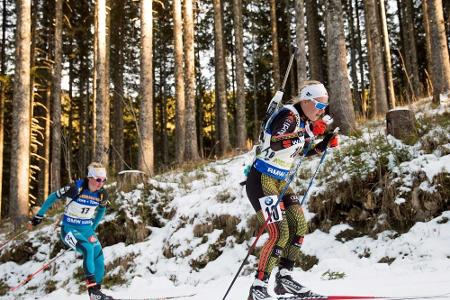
(331,139)
(334,142)
(318,127)
(36,220)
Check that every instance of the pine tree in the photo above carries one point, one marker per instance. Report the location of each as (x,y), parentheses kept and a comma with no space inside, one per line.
(180,131)
(102,107)
(376,68)
(387,57)
(20,155)
(440,65)
(221,101)
(117,73)
(300,38)
(191,153)
(146,159)
(55,173)
(241,126)
(314,41)
(341,106)
(275,54)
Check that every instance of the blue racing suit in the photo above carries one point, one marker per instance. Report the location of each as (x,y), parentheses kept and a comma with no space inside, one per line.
(83,212)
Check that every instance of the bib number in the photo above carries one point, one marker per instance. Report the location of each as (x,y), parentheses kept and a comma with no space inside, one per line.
(271,209)
(70,240)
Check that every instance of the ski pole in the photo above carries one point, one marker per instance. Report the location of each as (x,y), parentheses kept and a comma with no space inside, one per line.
(314,176)
(12,239)
(43,268)
(290,178)
(317,169)
(276,99)
(291,60)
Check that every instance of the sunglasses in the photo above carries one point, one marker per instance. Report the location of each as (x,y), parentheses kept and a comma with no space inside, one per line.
(319,105)
(99,180)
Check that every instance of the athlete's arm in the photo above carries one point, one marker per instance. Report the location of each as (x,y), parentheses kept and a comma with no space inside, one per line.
(282,128)
(101,209)
(55,196)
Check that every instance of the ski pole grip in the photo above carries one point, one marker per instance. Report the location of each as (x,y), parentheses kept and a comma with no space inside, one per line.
(294,49)
(328,119)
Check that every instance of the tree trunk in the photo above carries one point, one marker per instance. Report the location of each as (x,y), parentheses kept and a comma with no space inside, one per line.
(2,100)
(387,57)
(353,61)
(86,131)
(47,143)
(180,134)
(191,153)
(4,24)
(94,86)
(275,53)
(20,152)
(255,91)
(378,85)
(71,111)
(55,167)
(410,44)
(292,74)
(102,109)
(440,65)
(300,38)
(401,124)
(163,87)
(427,46)
(241,126)
(127,181)
(117,57)
(405,60)
(341,106)
(221,101)
(146,159)
(84,136)
(363,102)
(2,130)
(314,45)
(200,96)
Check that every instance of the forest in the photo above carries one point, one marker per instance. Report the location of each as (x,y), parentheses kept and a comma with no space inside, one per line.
(157,85)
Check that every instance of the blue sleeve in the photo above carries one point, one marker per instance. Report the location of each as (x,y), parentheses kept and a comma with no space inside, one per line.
(99,216)
(52,198)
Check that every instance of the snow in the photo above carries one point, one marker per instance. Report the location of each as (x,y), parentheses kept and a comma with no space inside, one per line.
(419,259)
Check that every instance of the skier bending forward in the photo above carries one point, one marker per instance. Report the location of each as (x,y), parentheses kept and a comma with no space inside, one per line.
(85,207)
(284,139)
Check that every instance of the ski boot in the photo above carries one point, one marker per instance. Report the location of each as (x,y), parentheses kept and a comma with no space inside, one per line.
(286,286)
(258,290)
(95,292)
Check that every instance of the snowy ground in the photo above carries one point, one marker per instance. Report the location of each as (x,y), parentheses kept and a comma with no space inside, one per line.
(420,267)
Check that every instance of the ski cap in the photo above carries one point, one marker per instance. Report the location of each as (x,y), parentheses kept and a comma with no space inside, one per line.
(313,91)
(96,170)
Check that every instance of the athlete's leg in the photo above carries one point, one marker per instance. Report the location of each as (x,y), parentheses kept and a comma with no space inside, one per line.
(297,230)
(99,263)
(78,241)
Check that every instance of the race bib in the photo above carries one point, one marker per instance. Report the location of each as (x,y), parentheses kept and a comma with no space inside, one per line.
(70,240)
(80,209)
(271,209)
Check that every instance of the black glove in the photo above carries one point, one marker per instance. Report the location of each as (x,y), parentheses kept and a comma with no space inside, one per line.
(326,140)
(36,220)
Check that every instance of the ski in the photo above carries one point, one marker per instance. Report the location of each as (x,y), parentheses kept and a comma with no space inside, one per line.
(158,298)
(356,297)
